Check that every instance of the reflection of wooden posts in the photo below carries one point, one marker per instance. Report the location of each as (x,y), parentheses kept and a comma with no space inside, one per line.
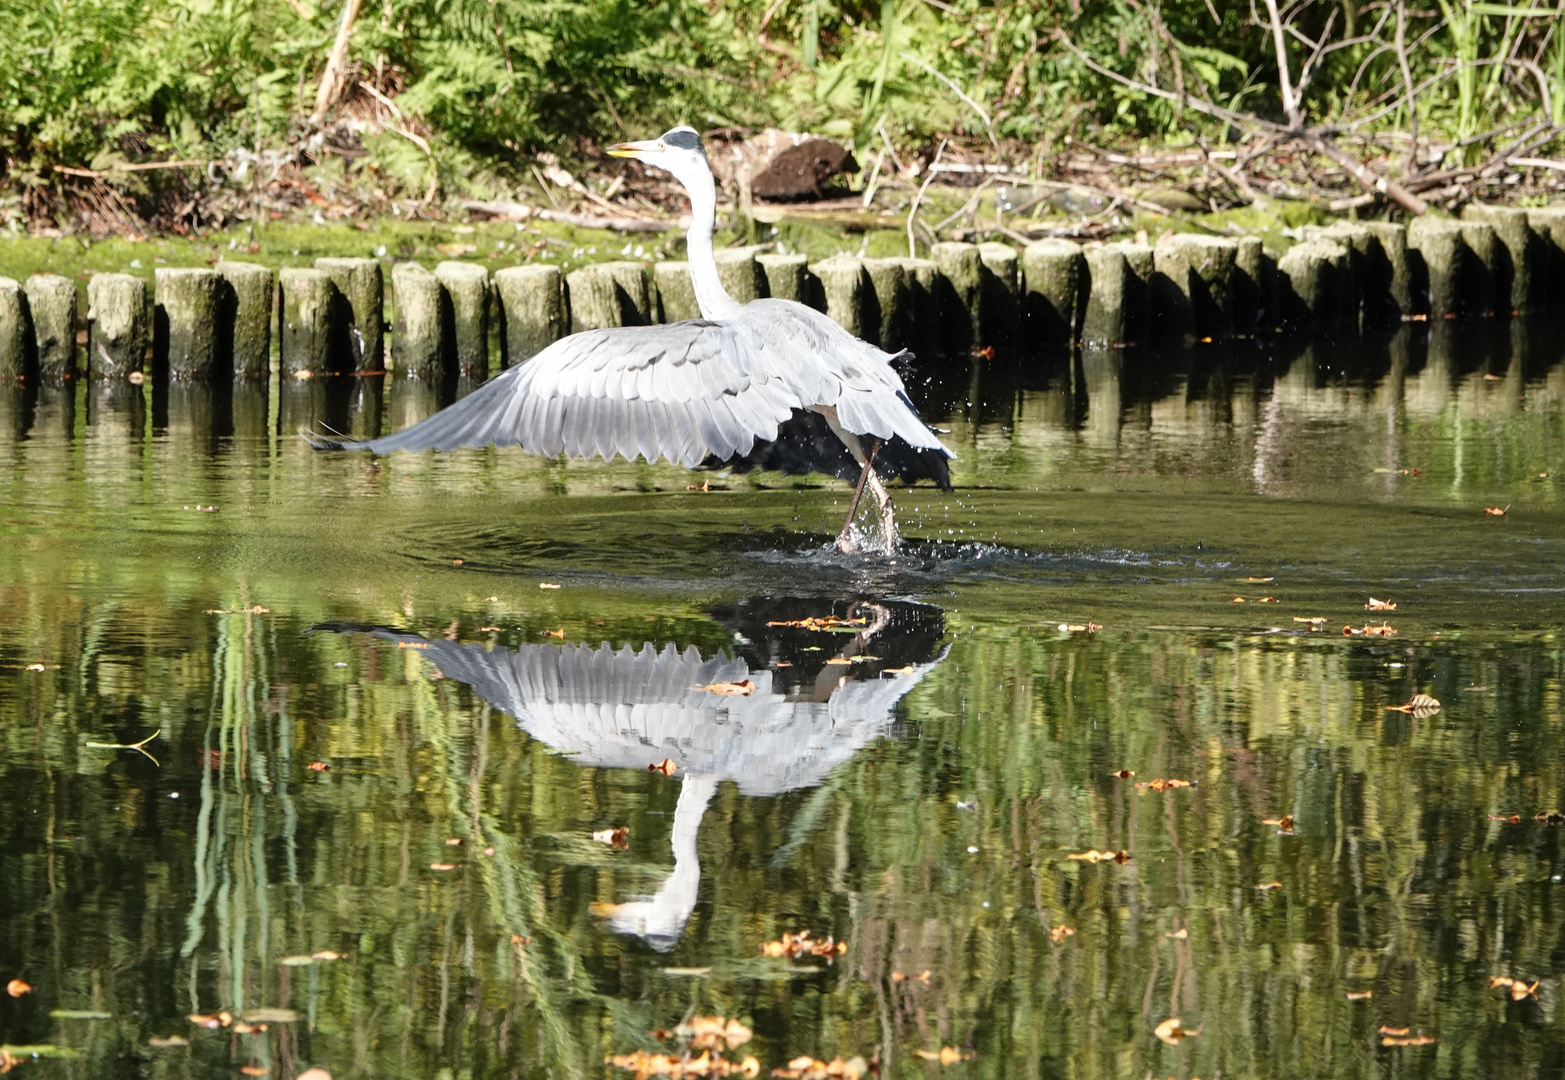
(415,341)
(119,325)
(14,330)
(51,299)
(844,284)
(1000,269)
(465,317)
(244,315)
(675,291)
(361,311)
(184,342)
(531,308)
(886,314)
(959,289)
(304,318)
(1054,281)
(785,275)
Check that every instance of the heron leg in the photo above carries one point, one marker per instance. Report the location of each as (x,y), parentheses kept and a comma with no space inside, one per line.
(888,512)
(845,541)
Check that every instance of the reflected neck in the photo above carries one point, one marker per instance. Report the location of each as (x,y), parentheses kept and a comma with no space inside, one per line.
(711,297)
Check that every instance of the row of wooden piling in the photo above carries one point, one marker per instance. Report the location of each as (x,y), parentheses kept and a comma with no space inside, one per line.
(200,323)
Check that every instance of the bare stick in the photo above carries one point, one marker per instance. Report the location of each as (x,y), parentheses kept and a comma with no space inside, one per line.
(957,90)
(1290,104)
(335,62)
(1369,178)
(912,210)
(136,746)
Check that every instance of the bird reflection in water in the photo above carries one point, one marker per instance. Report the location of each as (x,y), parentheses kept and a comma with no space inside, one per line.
(819,693)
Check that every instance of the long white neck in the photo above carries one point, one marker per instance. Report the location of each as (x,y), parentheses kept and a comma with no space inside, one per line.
(711,297)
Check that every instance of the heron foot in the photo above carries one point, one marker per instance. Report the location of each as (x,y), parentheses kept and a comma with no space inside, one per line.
(845,541)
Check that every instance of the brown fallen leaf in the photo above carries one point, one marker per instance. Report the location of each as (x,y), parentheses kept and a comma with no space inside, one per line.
(1237,600)
(742,688)
(1095,856)
(16,988)
(1267,600)
(453,841)
(242,1028)
(617,837)
(1370,630)
(318,766)
(1315,623)
(1284,823)
(1496,511)
(1260,580)
(808,1068)
(442,867)
(1123,774)
(171,1040)
(907,670)
(1419,705)
(1394,1032)
(1380,605)
(821,622)
(1170,1032)
(36,667)
(1416,1040)
(666,767)
(1182,934)
(923,977)
(1270,886)
(706,1032)
(1519,988)
(793,946)
(1549,817)
(1058,934)
(1161,785)
(1079,628)
(325,955)
(210,1021)
(1513,819)
(560,633)
(1360,995)
(642,1065)
(253,1070)
(946,1055)
(547,585)
(839,660)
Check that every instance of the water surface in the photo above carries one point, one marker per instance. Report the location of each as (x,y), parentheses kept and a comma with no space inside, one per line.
(380,735)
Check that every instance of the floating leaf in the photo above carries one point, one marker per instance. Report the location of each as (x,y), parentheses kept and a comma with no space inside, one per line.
(1394,1032)
(1519,988)
(1170,1032)
(1370,630)
(946,1055)
(211,1021)
(1549,817)
(171,1040)
(1178,935)
(36,667)
(1079,628)
(643,1065)
(16,988)
(1058,934)
(271,1015)
(442,867)
(1513,819)
(708,1031)
(1419,705)
(1161,785)
(824,622)
(1496,511)
(1095,856)
(666,767)
(618,837)
(253,1070)
(923,976)
(318,766)
(808,1068)
(839,660)
(1380,605)
(1284,823)
(1270,886)
(793,946)
(1260,580)
(1360,995)
(742,688)
(547,585)
(1416,1040)
(325,955)
(560,633)
(1315,623)
(1123,774)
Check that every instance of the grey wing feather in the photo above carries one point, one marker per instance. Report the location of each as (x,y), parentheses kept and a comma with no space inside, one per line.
(617,389)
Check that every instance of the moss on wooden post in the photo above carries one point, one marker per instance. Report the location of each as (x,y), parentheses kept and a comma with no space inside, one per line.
(1054,287)
(1310,275)
(532,310)
(1441,258)
(244,314)
(740,274)
(886,315)
(304,322)
(676,293)
(608,294)
(361,310)
(14,331)
(465,317)
(416,338)
(959,288)
(844,283)
(786,275)
(1193,288)
(1398,301)
(51,300)
(1518,257)
(119,325)
(1108,280)
(184,342)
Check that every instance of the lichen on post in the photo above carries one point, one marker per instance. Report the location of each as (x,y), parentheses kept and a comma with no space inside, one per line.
(184,341)
(532,310)
(361,301)
(676,294)
(1108,280)
(1440,266)
(959,286)
(1054,281)
(119,325)
(304,322)
(415,337)
(51,300)
(1193,288)
(785,275)
(465,317)
(887,319)
(244,315)
(740,274)
(845,284)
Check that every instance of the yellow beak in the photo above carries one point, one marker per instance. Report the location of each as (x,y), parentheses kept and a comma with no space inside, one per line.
(636,149)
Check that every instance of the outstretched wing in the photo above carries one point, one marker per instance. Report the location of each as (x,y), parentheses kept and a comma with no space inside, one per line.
(825,365)
(685,391)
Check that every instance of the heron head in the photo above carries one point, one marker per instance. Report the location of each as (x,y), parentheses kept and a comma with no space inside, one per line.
(678,151)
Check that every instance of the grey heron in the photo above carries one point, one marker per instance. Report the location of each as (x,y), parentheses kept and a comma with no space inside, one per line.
(624,708)
(770,384)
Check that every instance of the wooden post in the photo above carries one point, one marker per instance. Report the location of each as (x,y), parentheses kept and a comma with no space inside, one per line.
(532,310)
(923,305)
(1001,276)
(361,310)
(1440,267)
(465,317)
(244,319)
(608,294)
(1141,260)
(844,283)
(1486,285)
(119,326)
(1249,270)
(1313,273)
(1396,302)
(416,338)
(1193,290)
(887,316)
(184,336)
(1548,224)
(1054,281)
(304,322)
(785,275)
(51,299)
(740,274)
(676,294)
(1109,280)
(14,331)
(1520,248)
(960,294)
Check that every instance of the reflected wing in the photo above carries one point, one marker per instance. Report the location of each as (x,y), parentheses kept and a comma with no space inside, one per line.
(685,391)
